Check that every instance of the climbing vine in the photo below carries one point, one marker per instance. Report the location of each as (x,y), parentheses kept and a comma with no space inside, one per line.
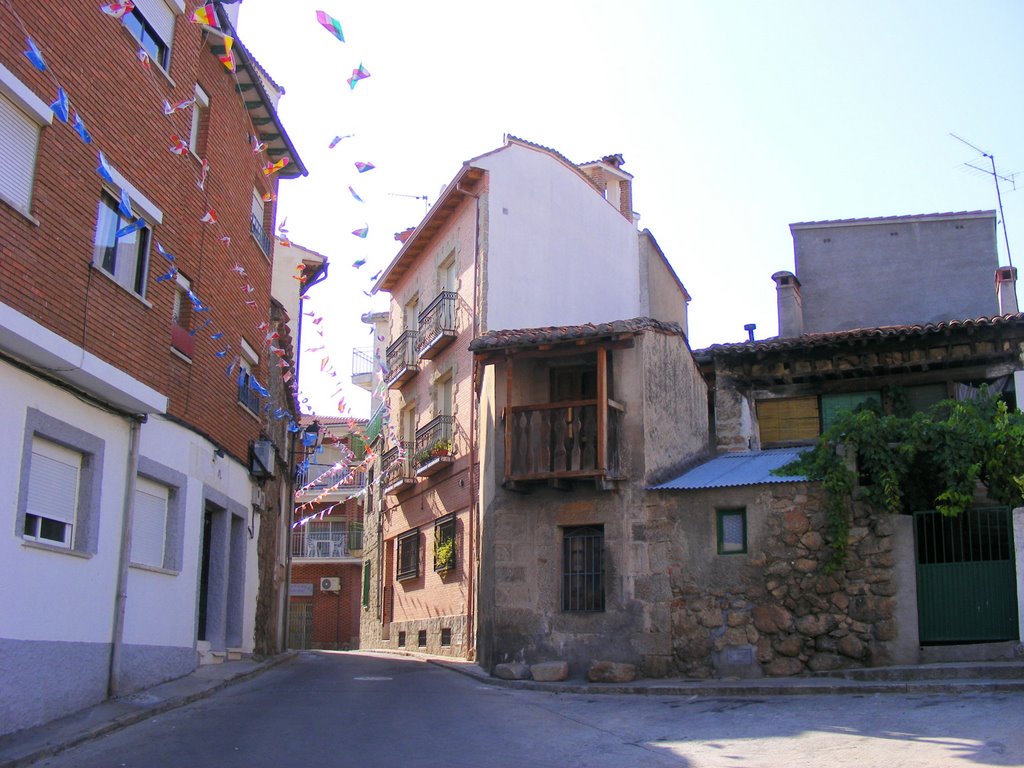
(899,462)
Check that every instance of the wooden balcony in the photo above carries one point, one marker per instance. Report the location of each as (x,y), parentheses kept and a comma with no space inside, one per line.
(433,450)
(401,360)
(437,325)
(396,469)
(562,441)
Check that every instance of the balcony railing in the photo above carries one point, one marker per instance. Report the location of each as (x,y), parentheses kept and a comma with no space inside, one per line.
(396,468)
(433,449)
(362,361)
(401,360)
(256,227)
(328,540)
(561,440)
(437,325)
(319,477)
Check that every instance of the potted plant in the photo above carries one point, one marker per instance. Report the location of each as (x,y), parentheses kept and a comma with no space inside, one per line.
(442,448)
(444,555)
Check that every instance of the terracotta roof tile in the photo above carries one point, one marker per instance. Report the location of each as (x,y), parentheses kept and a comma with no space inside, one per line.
(527,337)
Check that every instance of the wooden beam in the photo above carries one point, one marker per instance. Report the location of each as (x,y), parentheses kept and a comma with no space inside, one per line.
(509,416)
(602,409)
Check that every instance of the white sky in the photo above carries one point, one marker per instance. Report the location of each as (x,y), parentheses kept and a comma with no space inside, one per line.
(735,119)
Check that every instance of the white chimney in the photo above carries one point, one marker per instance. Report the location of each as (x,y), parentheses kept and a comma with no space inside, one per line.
(791,308)
(1006,290)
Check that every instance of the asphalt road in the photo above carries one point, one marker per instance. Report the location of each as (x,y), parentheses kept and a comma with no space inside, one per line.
(340,710)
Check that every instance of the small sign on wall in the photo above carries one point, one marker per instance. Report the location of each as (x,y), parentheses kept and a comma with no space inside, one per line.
(300,590)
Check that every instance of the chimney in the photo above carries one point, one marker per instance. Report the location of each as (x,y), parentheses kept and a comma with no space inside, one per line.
(1006,290)
(614,183)
(791,310)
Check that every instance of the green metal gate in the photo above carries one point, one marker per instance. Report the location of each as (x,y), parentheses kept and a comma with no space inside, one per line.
(966,577)
(300,625)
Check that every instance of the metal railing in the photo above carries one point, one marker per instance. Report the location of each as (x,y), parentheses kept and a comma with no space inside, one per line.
(328,539)
(434,440)
(256,228)
(317,477)
(362,362)
(437,319)
(396,465)
(401,355)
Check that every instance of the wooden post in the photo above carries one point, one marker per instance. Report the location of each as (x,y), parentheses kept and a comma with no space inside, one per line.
(508,418)
(602,409)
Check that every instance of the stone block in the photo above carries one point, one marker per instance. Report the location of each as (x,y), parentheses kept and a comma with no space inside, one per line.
(815,625)
(711,618)
(826,585)
(806,565)
(825,662)
(550,671)
(764,650)
(737,619)
(789,645)
(841,601)
(885,526)
(812,540)
(886,630)
(512,671)
(884,588)
(783,667)
(852,647)
(771,618)
(611,672)
(856,534)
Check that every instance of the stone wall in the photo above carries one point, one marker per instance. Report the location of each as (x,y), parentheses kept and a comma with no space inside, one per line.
(775,610)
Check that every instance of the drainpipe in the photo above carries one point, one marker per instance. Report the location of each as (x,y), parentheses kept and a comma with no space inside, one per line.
(121,592)
(290,499)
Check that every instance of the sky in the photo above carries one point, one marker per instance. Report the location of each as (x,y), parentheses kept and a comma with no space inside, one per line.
(735,119)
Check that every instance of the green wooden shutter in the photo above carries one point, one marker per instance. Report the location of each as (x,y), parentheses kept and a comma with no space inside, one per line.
(834,406)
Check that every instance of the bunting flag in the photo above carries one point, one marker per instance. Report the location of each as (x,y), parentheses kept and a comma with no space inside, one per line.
(364,167)
(60,106)
(204,14)
(275,167)
(257,145)
(361,232)
(331,24)
(226,240)
(125,205)
(104,169)
(127,229)
(216,336)
(337,139)
(355,195)
(170,110)
(359,73)
(166,254)
(204,169)
(178,145)
(118,10)
(228,59)
(210,217)
(80,129)
(269,197)
(143,58)
(223,352)
(169,275)
(358,263)
(35,55)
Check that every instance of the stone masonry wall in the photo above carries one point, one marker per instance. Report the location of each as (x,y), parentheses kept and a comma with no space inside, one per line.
(774,610)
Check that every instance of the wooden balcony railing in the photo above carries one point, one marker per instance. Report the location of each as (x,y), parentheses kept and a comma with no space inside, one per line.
(562,441)
(401,359)
(437,325)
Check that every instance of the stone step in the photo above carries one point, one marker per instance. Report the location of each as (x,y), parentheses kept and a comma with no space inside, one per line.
(977,670)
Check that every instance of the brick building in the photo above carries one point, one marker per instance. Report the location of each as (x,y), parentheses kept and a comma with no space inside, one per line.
(143,461)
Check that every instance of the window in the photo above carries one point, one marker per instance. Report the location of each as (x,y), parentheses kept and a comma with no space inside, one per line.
(444,544)
(22,114)
(59,491)
(409,554)
(366,584)
(446,636)
(583,568)
(421,638)
(200,122)
(256,220)
(444,405)
(149,523)
(181,316)
(53,489)
(401,639)
(151,23)
(834,406)
(732,531)
(249,387)
(786,420)
(124,258)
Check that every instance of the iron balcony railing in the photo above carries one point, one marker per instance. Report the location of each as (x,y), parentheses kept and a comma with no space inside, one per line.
(248,391)
(319,477)
(433,441)
(362,362)
(436,322)
(328,539)
(256,227)
(396,466)
(400,358)
(561,440)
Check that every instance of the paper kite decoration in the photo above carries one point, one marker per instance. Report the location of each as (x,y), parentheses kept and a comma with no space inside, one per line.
(364,167)
(331,24)
(360,73)
(356,195)
(118,10)
(204,14)
(361,232)
(60,106)
(274,167)
(35,55)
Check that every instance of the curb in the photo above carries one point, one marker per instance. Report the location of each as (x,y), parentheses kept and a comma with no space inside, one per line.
(130,718)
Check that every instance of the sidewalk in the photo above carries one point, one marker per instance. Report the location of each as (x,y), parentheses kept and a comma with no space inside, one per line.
(26,747)
(33,744)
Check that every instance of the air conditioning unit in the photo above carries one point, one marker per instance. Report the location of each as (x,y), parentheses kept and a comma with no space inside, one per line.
(330,584)
(259,498)
(262,459)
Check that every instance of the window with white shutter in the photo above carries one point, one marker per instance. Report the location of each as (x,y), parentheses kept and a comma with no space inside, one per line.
(52,502)
(152,24)
(22,114)
(149,523)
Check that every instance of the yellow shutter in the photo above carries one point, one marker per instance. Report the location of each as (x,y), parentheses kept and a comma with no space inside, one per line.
(789,419)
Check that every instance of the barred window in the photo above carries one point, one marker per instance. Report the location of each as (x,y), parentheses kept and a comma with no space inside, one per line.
(409,554)
(583,568)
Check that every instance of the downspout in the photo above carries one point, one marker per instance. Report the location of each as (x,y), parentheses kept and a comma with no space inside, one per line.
(474,502)
(290,486)
(121,591)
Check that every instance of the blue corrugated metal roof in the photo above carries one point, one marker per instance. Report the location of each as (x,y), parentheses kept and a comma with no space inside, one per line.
(736,469)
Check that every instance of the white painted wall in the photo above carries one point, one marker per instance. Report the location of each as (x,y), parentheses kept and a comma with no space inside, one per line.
(559,253)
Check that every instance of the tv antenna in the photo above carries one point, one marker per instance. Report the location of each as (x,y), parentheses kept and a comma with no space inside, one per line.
(995,178)
(424,198)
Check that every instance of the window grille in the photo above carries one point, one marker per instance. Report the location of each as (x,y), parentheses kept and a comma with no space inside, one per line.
(583,568)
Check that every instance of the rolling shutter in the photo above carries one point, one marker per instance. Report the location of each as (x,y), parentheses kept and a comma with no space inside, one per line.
(160,17)
(149,523)
(53,481)
(19,142)
(788,420)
